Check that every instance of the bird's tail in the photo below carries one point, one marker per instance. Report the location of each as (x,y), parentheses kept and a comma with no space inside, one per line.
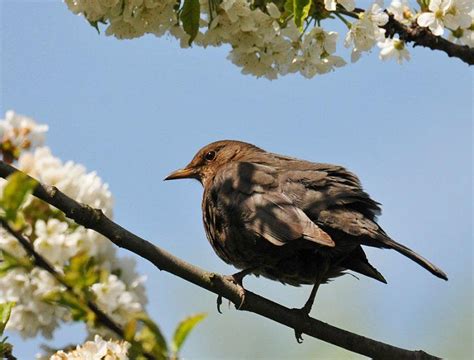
(415,257)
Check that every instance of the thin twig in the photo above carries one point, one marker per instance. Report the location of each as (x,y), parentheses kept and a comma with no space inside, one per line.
(96,220)
(41,262)
(420,36)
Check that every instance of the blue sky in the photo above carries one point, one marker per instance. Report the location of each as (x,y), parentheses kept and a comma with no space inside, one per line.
(135,110)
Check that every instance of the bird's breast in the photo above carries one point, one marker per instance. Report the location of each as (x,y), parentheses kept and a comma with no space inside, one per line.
(223,223)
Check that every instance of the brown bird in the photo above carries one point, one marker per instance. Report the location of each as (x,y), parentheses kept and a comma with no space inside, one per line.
(286,219)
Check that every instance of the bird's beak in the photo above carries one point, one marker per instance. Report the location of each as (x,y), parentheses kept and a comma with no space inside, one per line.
(186,173)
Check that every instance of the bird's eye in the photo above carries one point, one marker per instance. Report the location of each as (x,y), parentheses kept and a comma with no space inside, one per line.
(210,155)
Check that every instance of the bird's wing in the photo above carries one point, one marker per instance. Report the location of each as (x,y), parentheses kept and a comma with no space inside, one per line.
(315,187)
(274,217)
(294,197)
(264,208)
(352,223)
(333,198)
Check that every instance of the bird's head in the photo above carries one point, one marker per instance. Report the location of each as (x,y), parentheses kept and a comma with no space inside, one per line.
(207,162)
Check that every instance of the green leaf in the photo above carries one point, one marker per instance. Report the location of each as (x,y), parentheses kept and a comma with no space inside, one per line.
(8,262)
(81,272)
(288,7)
(18,187)
(151,337)
(301,10)
(129,330)
(78,308)
(5,311)
(183,329)
(190,15)
(424,4)
(95,23)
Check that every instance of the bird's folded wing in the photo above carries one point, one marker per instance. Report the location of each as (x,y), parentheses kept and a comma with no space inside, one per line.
(273,216)
(352,223)
(265,210)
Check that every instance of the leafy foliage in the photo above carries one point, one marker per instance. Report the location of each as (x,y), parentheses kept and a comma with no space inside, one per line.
(149,336)
(9,261)
(301,11)
(82,272)
(5,311)
(183,329)
(66,265)
(18,187)
(190,15)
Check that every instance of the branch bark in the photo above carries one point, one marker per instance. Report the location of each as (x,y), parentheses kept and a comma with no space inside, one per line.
(420,36)
(96,220)
(101,317)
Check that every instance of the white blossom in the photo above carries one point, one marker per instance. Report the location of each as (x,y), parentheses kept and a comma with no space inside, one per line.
(260,44)
(257,44)
(316,57)
(128,19)
(113,297)
(366,32)
(263,39)
(70,178)
(446,13)
(53,242)
(463,36)
(401,11)
(99,349)
(57,241)
(21,131)
(31,315)
(393,49)
(459,15)
(434,18)
(330,5)
(9,243)
(273,11)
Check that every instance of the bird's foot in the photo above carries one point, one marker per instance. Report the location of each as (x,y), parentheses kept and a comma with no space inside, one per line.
(303,314)
(236,279)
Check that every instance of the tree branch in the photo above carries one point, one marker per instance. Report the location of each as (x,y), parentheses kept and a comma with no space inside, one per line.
(101,317)
(96,220)
(420,36)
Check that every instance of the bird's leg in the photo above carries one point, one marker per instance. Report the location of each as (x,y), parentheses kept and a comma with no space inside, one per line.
(306,309)
(237,279)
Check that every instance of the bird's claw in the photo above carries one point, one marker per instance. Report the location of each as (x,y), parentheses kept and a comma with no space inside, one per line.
(298,336)
(219,303)
(237,280)
(303,313)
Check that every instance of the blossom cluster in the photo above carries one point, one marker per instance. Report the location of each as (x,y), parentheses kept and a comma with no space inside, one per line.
(31,315)
(260,46)
(267,39)
(120,294)
(99,349)
(19,133)
(451,14)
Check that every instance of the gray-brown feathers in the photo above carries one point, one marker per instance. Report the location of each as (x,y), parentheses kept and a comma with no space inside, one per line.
(286,217)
